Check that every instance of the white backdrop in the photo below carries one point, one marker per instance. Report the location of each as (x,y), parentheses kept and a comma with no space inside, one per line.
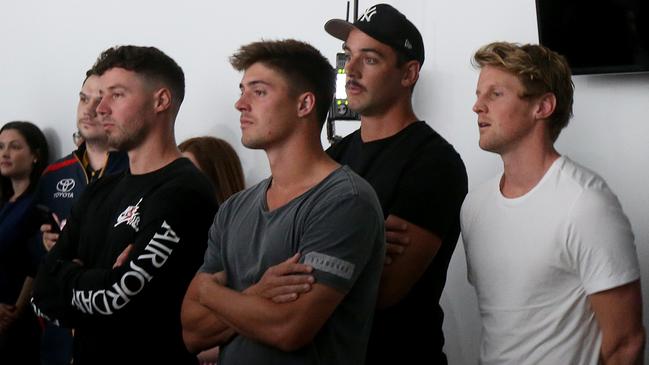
(48,45)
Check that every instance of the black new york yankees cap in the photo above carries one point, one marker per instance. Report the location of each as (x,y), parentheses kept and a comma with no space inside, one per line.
(387,25)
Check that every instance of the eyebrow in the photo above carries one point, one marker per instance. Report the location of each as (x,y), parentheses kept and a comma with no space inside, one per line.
(111,88)
(488,88)
(253,83)
(116,86)
(496,85)
(366,50)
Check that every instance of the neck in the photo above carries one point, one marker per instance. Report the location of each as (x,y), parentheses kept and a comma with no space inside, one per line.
(96,152)
(155,152)
(522,171)
(19,186)
(387,123)
(297,166)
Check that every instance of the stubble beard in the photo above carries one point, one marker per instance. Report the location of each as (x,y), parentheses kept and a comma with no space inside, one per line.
(125,140)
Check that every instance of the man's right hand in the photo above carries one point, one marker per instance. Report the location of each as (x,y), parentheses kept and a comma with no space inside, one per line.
(284,282)
(397,238)
(49,237)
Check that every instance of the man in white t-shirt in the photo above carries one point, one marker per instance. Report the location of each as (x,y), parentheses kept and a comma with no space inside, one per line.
(549,250)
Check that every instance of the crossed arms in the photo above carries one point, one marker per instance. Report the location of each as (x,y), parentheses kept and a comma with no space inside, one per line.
(285,309)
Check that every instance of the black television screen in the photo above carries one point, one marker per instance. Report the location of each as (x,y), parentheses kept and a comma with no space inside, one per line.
(597,36)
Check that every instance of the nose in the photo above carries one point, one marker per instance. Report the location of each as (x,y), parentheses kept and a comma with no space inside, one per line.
(101,107)
(92,108)
(351,67)
(242,103)
(479,106)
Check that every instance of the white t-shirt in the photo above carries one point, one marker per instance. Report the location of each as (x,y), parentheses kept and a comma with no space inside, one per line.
(533,261)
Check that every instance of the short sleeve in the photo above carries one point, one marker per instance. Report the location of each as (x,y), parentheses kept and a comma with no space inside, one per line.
(342,235)
(431,191)
(602,242)
(212,262)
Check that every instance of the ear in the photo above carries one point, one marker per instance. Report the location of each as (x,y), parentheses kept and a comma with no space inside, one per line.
(161,100)
(546,104)
(306,104)
(410,74)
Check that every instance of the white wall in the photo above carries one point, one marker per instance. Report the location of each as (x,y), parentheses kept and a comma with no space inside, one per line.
(47,45)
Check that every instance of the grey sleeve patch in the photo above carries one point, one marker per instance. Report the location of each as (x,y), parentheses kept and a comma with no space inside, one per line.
(330,264)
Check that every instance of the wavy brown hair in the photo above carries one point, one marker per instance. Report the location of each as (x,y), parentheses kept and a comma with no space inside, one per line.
(218,160)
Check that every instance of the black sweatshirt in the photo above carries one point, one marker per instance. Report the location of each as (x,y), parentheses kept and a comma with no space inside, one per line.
(130,313)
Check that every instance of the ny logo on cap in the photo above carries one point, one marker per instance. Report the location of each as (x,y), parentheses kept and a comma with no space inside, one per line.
(407,44)
(367,16)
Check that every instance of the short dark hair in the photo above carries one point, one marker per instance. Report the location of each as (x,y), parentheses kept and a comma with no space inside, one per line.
(304,66)
(38,145)
(539,69)
(89,73)
(151,62)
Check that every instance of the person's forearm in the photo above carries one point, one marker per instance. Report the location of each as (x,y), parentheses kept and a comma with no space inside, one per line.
(629,351)
(25,293)
(249,315)
(202,329)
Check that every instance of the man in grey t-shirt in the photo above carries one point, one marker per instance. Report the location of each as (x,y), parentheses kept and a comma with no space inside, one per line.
(293,264)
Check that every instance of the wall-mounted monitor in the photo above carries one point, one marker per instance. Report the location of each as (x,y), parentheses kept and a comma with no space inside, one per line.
(597,36)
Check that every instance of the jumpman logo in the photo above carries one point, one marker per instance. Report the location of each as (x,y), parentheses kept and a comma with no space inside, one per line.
(130,216)
(367,16)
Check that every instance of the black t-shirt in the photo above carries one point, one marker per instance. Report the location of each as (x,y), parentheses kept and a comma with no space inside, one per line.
(129,314)
(419,177)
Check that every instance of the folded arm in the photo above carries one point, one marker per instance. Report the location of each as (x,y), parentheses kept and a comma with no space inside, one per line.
(166,247)
(203,328)
(287,326)
(410,249)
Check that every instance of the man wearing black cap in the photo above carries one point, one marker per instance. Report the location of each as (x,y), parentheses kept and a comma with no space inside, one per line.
(418,176)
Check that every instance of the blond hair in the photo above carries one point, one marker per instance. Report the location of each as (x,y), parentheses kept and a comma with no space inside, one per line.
(539,69)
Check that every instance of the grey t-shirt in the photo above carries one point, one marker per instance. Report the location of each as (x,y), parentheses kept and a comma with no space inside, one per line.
(337,226)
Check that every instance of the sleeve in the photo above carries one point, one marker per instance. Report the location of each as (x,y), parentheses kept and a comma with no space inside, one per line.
(34,243)
(8,233)
(212,261)
(466,220)
(166,253)
(431,191)
(341,236)
(18,228)
(49,299)
(601,242)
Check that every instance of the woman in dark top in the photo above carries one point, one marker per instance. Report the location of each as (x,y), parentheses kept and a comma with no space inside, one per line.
(23,157)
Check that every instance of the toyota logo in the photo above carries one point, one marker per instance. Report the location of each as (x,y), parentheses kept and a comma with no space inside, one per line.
(65,185)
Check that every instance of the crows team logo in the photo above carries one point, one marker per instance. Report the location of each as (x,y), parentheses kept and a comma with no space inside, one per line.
(130,216)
